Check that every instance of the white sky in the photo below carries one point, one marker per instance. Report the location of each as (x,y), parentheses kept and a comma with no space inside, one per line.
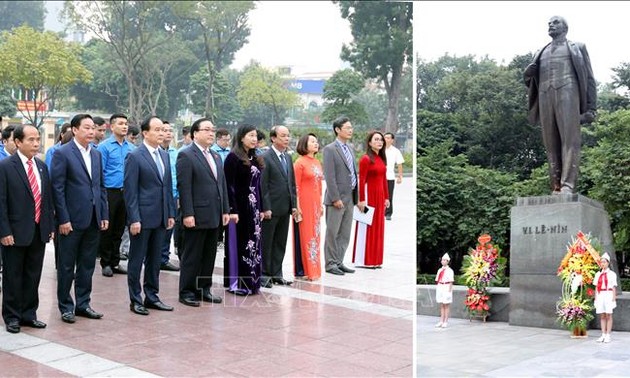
(305,35)
(505,29)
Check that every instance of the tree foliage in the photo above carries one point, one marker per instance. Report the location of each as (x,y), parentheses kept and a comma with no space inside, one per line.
(622,76)
(339,93)
(381,47)
(263,88)
(142,44)
(226,107)
(607,168)
(18,13)
(7,105)
(41,63)
(483,107)
(218,30)
(457,202)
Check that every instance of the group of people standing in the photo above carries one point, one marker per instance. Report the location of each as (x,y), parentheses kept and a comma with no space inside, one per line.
(209,188)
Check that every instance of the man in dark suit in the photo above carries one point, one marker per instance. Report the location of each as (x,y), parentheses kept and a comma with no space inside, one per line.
(150,212)
(278,204)
(562,95)
(340,173)
(204,207)
(81,208)
(26,225)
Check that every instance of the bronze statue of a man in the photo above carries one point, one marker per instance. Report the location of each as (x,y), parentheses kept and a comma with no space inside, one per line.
(562,96)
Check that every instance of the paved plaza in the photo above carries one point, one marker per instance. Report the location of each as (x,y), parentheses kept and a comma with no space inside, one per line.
(496,349)
(354,325)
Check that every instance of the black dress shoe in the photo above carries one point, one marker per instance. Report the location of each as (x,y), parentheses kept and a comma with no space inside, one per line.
(33,323)
(266,282)
(119,269)
(208,297)
(158,306)
(189,302)
(88,313)
(281,281)
(138,309)
(170,267)
(335,270)
(13,327)
(107,271)
(345,269)
(68,317)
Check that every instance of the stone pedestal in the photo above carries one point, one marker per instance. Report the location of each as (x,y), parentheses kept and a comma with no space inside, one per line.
(541,230)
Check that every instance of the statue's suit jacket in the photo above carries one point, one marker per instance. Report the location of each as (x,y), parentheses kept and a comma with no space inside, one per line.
(586,81)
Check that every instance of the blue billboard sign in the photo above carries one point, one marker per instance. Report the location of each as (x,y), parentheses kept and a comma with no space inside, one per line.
(307,86)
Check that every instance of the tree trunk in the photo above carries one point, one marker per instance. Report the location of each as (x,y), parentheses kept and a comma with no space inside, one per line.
(393,94)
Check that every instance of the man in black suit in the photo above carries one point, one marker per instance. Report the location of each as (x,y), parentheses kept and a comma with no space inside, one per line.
(562,96)
(81,209)
(279,203)
(26,225)
(204,207)
(150,212)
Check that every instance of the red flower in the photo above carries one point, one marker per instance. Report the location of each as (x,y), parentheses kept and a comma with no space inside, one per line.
(590,292)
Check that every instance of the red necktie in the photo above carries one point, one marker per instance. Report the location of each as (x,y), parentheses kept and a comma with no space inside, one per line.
(440,275)
(602,283)
(32,181)
(211,162)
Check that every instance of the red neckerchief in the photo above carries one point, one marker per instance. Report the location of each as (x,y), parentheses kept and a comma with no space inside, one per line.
(603,279)
(440,275)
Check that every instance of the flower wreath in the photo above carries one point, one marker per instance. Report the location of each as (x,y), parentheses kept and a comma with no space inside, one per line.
(482,266)
(577,270)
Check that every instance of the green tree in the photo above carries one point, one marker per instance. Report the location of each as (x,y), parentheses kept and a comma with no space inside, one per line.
(262,89)
(40,63)
(226,106)
(606,168)
(483,106)
(456,202)
(381,47)
(609,100)
(140,37)
(107,92)
(339,92)
(18,13)
(7,105)
(621,78)
(221,29)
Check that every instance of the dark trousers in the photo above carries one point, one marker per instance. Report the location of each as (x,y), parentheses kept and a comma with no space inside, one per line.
(77,258)
(178,232)
(165,252)
(197,256)
(145,247)
(109,246)
(21,275)
(274,238)
(390,188)
(560,121)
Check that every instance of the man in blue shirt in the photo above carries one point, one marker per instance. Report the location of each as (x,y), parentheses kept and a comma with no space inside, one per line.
(222,144)
(114,150)
(8,147)
(166,263)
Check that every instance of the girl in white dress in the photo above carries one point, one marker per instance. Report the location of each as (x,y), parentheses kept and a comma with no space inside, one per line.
(605,297)
(444,290)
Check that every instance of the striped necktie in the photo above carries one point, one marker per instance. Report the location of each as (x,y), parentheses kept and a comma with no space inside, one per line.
(348,156)
(32,181)
(157,162)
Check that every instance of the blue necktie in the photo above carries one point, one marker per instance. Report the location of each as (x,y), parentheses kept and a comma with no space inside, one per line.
(157,162)
(284,163)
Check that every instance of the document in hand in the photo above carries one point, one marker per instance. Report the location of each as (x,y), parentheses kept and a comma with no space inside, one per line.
(363,217)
